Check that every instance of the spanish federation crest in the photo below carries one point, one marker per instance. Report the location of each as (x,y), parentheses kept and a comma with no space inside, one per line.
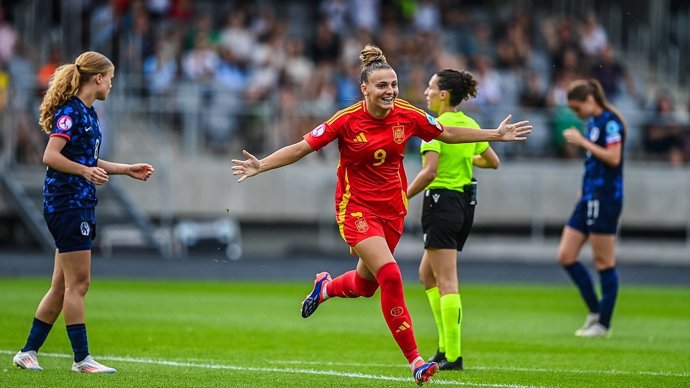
(361,225)
(399,134)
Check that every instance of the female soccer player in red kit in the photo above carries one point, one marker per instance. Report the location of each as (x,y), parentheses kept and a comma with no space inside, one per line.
(370,197)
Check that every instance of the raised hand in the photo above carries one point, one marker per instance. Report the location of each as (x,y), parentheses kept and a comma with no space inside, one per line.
(246,168)
(514,132)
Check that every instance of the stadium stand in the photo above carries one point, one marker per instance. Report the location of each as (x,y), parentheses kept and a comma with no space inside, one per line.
(197,82)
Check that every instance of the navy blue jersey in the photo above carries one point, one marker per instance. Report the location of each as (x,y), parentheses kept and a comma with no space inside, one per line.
(78,124)
(602,181)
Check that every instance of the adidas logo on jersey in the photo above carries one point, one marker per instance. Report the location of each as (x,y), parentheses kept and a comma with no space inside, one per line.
(360,138)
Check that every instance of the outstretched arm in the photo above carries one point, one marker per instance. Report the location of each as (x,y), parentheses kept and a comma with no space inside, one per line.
(284,156)
(141,171)
(505,132)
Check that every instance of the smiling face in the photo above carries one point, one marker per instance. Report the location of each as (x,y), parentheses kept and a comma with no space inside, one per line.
(380,91)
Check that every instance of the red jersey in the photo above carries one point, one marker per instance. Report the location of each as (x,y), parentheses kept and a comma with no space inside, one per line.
(371,175)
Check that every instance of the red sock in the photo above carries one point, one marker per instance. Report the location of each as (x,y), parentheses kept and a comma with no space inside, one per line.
(395,311)
(351,285)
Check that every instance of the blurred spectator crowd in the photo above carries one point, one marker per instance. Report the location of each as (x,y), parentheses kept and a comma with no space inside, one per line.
(265,72)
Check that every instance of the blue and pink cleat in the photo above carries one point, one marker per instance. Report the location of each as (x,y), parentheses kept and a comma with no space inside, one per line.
(423,372)
(316,297)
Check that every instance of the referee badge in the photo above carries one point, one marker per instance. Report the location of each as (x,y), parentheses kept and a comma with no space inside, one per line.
(85,228)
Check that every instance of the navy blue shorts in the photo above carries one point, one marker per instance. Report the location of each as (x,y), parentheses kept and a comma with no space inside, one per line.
(73,230)
(598,216)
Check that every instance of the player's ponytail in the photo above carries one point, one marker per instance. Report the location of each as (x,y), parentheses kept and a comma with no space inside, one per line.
(461,85)
(66,82)
(372,59)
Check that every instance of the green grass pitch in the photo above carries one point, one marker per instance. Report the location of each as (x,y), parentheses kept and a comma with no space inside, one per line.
(248,334)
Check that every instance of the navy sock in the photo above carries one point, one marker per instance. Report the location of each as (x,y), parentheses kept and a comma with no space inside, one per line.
(37,335)
(609,292)
(578,273)
(77,336)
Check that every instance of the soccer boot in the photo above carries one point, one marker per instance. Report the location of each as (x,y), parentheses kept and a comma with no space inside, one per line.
(424,371)
(89,365)
(316,297)
(591,320)
(26,360)
(596,330)
(438,357)
(450,365)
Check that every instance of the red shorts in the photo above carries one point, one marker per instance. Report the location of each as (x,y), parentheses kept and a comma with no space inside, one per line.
(358,226)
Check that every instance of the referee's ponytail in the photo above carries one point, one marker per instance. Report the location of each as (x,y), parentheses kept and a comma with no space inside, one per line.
(460,84)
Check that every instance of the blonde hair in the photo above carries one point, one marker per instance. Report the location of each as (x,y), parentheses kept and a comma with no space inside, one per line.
(372,59)
(67,80)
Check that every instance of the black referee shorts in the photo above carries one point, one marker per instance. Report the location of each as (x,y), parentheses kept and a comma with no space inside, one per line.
(447,218)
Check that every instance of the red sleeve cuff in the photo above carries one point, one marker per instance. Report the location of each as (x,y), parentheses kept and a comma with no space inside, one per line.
(60,135)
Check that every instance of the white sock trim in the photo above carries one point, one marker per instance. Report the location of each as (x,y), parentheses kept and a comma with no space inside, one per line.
(415,362)
(324,294)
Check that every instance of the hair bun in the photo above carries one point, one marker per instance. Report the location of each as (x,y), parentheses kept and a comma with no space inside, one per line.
(371,54)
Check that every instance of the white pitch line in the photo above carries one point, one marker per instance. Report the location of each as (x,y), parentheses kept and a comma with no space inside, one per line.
(278,370)
(500,368)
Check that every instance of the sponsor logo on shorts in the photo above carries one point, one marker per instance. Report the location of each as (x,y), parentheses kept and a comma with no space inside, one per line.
(85,228)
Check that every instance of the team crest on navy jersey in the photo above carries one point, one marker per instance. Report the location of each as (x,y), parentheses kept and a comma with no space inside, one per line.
(399,134)
(85,228)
